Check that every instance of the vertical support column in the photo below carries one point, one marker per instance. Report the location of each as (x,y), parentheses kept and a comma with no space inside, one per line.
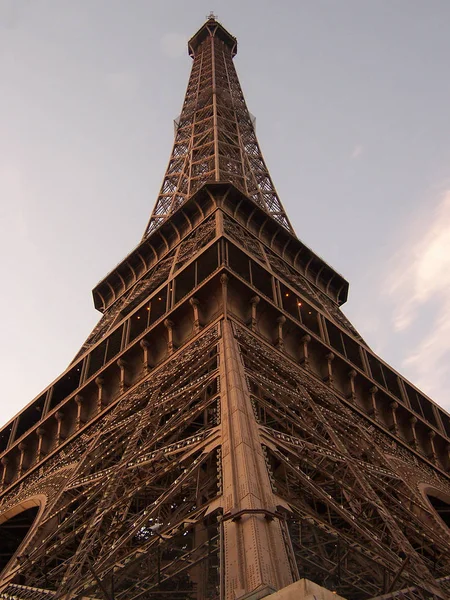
(224,282)
(352,375)
(59,419)
(279,342)
(101,393)
(41,435)
(199,574)
(329,377)
(169,326)
(373,397)
(79,402)
(195,304)
(394,428)
(22,448)
(305,358)
(433,454)
(254,303)
(121,363)
(413,421)
(144,344)
(4,461)
(215,124)
(255,555)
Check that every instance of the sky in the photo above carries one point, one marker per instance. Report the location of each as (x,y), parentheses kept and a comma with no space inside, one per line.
(351,100)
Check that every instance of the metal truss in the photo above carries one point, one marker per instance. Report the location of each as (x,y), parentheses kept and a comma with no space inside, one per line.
(131,516)
(215,137)
(151,503)
(356,523)
(215,453)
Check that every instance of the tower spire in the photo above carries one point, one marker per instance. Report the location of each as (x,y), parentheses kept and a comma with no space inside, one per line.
(215,138)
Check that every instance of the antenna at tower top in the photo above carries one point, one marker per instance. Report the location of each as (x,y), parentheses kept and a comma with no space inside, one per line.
(211,16)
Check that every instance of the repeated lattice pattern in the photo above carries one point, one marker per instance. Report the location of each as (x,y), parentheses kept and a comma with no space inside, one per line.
(228,463)
(139,497)
(358,521)
(132,503)
(215,138)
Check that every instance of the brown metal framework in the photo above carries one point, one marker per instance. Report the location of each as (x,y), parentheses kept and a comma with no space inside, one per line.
(215,138)
(224,431)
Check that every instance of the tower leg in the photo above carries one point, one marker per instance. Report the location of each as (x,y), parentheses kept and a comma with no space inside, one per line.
(255,555)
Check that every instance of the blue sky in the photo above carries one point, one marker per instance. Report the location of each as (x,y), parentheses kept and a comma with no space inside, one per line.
(351,102)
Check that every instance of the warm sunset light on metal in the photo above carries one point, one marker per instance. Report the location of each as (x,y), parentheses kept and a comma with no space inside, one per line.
(227,446)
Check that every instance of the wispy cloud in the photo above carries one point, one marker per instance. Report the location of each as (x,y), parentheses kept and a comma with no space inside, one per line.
(420,282)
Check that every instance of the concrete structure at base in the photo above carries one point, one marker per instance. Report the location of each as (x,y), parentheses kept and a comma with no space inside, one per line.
(304,590)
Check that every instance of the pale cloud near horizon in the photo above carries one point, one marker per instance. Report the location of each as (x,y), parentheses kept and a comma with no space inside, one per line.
(421,277)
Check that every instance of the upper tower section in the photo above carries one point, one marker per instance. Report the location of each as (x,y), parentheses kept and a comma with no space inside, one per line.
(212,28)
(215,139)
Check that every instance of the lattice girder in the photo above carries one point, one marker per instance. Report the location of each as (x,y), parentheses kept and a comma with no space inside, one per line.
(134,462)
(344,484)
(227,446)
(215,137)
(225,431)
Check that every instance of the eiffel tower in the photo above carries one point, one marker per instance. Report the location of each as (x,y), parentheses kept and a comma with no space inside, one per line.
(224,432)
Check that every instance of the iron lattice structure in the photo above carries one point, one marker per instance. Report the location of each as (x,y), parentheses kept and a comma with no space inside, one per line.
(215,137)
(224,431)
